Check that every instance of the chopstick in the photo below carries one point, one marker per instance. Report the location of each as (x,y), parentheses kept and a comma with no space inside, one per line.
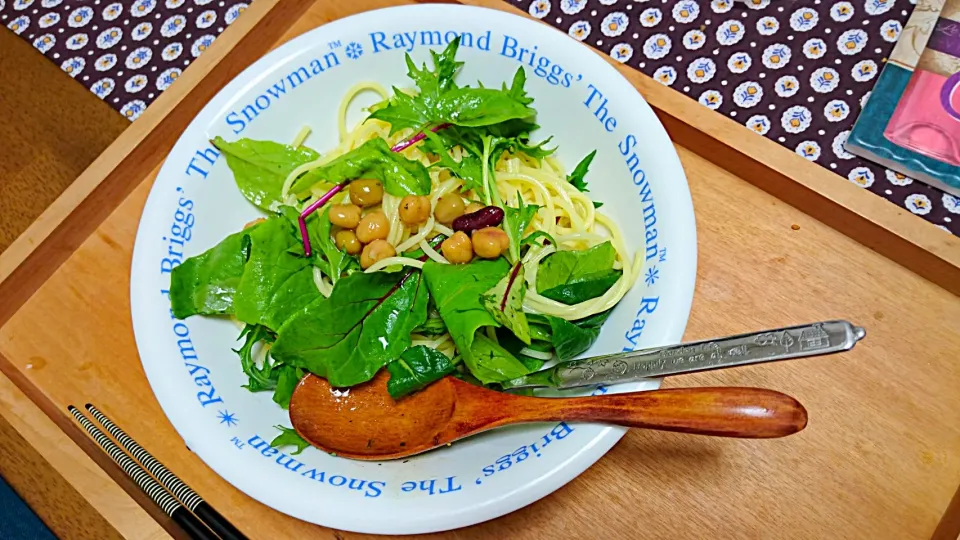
(191,500)
(187,521)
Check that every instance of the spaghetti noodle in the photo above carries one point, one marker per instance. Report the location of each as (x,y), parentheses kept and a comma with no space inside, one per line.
(566,214)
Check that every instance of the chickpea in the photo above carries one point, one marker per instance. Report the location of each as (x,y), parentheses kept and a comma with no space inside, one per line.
(366,192)
(373,226)
(347,241)
(458,249)
(414,209)
(257,221)
(449,207)
(473,207)
(490,242)
(345,215)
(376,251)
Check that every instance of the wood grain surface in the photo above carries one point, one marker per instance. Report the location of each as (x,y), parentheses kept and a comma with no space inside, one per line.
(73,216)
(879,458)
(68,490)
(54,500)
(51,129)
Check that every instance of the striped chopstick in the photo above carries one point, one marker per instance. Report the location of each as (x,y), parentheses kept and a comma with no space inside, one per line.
(180,515)
(191,500)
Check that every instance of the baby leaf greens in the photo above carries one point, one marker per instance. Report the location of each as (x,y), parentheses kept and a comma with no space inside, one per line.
(264,275)
(456,289)
(334,261)
(206,284)
(441,101)
(515,223)
(289,437)
(491,363)
(270,374)
(416,368)
(260,276)
(462,294)
(571,338)
(260,167)
(576,178)
(276,282)
(505,303)
(485,122)
(365,324)
(469,168)
(373,159)
(263,377)
(572,277)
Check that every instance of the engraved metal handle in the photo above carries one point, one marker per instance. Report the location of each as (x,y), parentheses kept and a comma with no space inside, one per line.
(769,345)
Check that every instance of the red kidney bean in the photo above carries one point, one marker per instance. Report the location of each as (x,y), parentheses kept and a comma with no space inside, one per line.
(488,216)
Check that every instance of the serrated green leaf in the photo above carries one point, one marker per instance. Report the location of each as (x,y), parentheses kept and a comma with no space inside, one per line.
(372,159)
(289,437)
(576,178)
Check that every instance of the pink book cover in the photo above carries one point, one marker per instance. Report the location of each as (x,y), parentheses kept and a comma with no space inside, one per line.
(911,122)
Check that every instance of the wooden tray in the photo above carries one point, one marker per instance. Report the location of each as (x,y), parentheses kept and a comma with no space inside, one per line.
(879,460)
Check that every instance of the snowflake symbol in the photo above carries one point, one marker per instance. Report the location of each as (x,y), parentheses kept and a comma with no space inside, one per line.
(227,418)
(354,50)
(652,276)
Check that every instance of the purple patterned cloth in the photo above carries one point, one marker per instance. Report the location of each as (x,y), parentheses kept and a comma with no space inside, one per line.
(795,71)
(126,53)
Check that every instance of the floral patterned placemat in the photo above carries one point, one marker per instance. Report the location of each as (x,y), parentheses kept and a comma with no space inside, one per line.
(126,53)
(795,71)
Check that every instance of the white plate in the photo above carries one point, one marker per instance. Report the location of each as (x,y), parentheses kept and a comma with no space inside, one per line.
(194,204)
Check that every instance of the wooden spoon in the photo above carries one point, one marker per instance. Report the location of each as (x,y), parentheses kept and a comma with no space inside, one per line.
(365,423)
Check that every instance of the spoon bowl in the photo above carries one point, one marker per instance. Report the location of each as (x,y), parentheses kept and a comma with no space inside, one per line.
(366,423)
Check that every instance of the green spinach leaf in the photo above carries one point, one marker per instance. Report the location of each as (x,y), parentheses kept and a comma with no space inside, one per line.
(514,346)
(260,167)
(432,327)
(456,289)
(277,281)
(583,288)
(365,324)
(206,284)
(491,363)
(373,159)
(416,368)
(572,277)
(289,437)
(505,303)
(573,338)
